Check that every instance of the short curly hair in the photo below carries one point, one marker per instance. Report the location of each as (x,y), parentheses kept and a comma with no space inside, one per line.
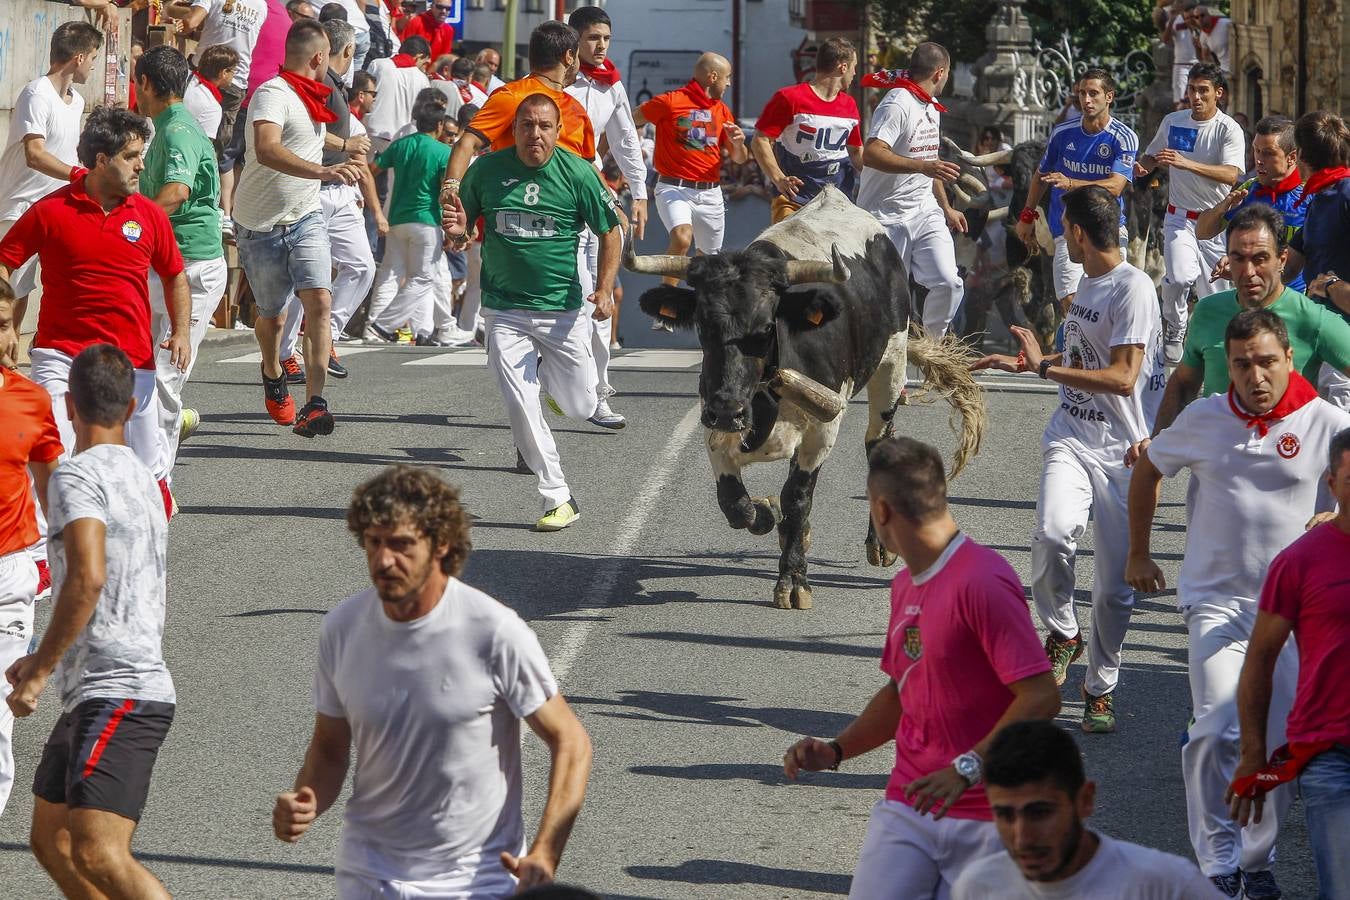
(416,495)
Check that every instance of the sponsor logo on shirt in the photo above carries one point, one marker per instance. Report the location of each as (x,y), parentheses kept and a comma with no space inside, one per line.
(131,231)
(1104,150)
(822,138)
(913,643)
(509,181)
(513,223)
(1288,445)
(1087,168)
(1179,138)
(1071,146)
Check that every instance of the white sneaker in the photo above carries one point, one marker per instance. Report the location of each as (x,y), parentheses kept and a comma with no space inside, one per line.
(606,417)
(1174,342)
(454,337)
(662,325)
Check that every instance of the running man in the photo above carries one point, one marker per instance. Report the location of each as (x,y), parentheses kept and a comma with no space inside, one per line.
(1257,255)
(100,241)
(693,126)
(436,806)
(44,133)
(535,200)
(108,548)
(808,135)
(599,89)
(34,449)
(962,661)
(1111,379)
(1204,152)
(1257,455)
(1092,149)
(279,224)
(182,177)
(902,183)
(1040,796)
(1277,183)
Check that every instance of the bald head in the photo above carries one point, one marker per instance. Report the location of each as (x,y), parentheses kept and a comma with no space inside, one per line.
(713,72)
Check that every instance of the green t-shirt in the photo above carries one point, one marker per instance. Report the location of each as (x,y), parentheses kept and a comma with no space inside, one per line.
(1316,334)
(532,221)
(419,162)
(181,153)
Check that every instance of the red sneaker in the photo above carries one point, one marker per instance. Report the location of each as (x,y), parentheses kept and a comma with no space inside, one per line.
(44,587)
(314,418)
(277,398)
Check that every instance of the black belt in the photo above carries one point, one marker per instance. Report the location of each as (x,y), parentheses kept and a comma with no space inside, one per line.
(684,182)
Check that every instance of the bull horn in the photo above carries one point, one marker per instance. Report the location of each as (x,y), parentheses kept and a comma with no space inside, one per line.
(657,264)
(805,271)
(997,158)
(998,215)
(972,184)
(961,197)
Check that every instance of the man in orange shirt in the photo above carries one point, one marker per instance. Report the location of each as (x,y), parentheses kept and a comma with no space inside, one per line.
(692,127)
(553,65)
(34,447)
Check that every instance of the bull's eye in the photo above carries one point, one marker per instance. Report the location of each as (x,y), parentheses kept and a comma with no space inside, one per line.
(757,344)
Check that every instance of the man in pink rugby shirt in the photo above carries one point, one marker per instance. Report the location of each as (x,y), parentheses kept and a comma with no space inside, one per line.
(963,660)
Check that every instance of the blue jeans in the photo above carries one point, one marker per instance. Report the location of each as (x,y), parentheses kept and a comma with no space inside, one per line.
(295,257)
(1325,784)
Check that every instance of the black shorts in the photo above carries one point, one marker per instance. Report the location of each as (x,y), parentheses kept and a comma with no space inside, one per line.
(101,753)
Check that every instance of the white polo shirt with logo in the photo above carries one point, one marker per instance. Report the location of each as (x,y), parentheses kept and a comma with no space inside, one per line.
(911,128)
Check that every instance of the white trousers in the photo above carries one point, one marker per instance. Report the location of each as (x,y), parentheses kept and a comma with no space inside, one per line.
(906,856)
(442,298)
(18,589)
(925,245)
(1074,487)
(1218,646)
(403,283)
(353,266)
(588,266)
(704,211)
(529,351)
(471,310)
(1189,261)
(481,885)
(206,283)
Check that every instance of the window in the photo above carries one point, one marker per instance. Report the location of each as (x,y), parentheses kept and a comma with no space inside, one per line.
(534,6)
(474,4)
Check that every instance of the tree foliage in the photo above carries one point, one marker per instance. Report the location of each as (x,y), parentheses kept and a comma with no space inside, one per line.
(1097,28)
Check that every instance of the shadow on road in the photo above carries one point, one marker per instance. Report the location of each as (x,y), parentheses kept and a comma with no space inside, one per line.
(764,774)
(699,709)
(808,645)
(216,861)
(720,871)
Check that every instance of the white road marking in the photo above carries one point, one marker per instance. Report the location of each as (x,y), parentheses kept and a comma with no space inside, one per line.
(475,356)
(626,541)
(632,359)
(255,357)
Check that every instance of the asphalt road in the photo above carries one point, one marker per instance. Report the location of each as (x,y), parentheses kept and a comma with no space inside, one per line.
(655,614)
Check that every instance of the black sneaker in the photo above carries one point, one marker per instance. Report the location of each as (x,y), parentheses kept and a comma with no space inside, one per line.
(314,418)
(1260,886)
(295,373)
(1228,885)
(335,367)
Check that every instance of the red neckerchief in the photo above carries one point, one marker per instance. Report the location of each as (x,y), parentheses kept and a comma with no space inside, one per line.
(481,87)
(606,73)
(356,111)
(1291,181)
(465,94)
(1298,395)
(313,94)
(402,61)
(210,86)
(1320,179)
(431,24)
(1284,766)
(1209,29)
(899,78)
(699,95)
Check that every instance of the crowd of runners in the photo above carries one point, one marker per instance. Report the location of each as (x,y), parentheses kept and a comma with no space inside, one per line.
(494,211)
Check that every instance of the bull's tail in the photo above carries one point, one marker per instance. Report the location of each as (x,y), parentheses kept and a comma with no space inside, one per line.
(945,365)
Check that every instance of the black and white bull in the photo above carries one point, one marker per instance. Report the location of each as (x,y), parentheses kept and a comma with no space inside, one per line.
(822,294)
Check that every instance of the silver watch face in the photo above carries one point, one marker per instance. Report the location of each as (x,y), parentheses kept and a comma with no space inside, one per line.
(967,768)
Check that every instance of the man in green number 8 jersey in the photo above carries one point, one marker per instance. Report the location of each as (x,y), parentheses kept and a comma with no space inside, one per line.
(535,200)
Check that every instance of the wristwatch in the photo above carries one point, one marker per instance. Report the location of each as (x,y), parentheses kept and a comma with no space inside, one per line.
(1043,369)
(970,767)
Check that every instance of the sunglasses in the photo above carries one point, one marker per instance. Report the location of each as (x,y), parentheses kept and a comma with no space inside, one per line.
(444,9)
(371,93)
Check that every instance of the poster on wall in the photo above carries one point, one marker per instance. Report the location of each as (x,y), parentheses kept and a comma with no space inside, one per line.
(652,72)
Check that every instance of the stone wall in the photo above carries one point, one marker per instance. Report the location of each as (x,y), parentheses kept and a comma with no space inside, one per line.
(1267,42)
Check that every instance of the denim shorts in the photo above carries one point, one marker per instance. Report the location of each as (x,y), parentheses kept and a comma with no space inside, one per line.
(288,258)
(459,264)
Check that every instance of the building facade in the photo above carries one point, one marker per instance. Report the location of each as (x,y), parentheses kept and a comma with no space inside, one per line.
(1290,57)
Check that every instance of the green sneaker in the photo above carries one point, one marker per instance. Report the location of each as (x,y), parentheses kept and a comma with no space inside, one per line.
(1099,713)
(559,517)
(553,406)
(188,424)
(1061,652)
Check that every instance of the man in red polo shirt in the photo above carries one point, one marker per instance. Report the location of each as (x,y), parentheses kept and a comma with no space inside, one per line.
(692,126)
(432,26)
(97,240)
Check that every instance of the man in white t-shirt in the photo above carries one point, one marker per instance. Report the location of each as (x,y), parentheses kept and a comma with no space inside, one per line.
(279,224)
(598,88)
(430,678)
(399,79)
(1040,795)
(1178,33)
(1204,152)
(1214,36)
(902,184)
(204,96)
(1257,455)
(44,130)
(1111,381)
(103,647)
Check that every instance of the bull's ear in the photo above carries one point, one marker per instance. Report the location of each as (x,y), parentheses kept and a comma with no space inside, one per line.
(670,304)
(803,310)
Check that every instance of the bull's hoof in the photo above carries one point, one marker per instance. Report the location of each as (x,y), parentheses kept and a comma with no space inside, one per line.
(878,555)
(768,513)
(792,593)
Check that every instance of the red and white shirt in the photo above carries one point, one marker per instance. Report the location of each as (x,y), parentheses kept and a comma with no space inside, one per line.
(912,128)
(1250,496)
(812,137)
(95,269)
